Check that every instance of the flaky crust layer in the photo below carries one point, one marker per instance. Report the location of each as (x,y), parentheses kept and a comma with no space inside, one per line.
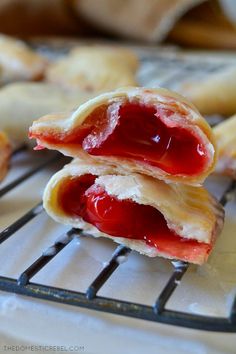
(190,120)
(190,211)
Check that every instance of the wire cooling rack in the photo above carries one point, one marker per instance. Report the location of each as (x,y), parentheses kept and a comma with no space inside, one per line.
(155,69)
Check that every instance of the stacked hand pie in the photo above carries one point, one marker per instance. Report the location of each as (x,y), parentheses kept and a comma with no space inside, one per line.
(140,157)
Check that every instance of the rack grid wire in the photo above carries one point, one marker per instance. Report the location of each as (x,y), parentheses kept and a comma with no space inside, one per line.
(152,67)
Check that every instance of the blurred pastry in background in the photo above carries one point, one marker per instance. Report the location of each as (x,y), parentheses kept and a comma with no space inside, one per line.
(19,62)
(21,103)
(226,140)
(195,23)
(214,95)
(72,80)
(5,153)
(95,68)
(209,24)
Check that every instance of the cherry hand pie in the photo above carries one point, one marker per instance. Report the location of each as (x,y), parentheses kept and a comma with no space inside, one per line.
(149,216)
(5,152)
(226,140)
(214,95)
(150,131)
(21,103)
(95,69)
(19,62)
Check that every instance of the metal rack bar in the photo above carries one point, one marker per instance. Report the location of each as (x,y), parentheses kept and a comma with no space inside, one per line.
(118,257)
(180,269)
(229,193)
(233,312)
(28,174)
(19,149)
(10,230)
(46,257)
(118,307)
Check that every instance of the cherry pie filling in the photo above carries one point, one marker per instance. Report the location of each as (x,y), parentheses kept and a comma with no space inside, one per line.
(81,197)
(136,131)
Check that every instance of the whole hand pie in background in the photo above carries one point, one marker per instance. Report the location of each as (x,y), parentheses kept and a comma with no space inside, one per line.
(71,81)
(226,140)
(5,152)
(143,213)
(151,131)
(21,103)
(95,69)
(216,94)
(19,62)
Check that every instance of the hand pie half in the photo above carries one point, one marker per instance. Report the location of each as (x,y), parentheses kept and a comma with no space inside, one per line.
(145,214)
(226,140)
(95,68)
(5,152)
(150,131)
(18,61)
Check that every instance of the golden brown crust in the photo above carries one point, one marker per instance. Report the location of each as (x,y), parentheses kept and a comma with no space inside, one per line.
(95,68)
(5,152)
(189,118)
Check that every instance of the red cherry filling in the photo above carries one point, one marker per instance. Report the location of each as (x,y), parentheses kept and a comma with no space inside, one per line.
(141,135)
(136,131)
(125,218)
